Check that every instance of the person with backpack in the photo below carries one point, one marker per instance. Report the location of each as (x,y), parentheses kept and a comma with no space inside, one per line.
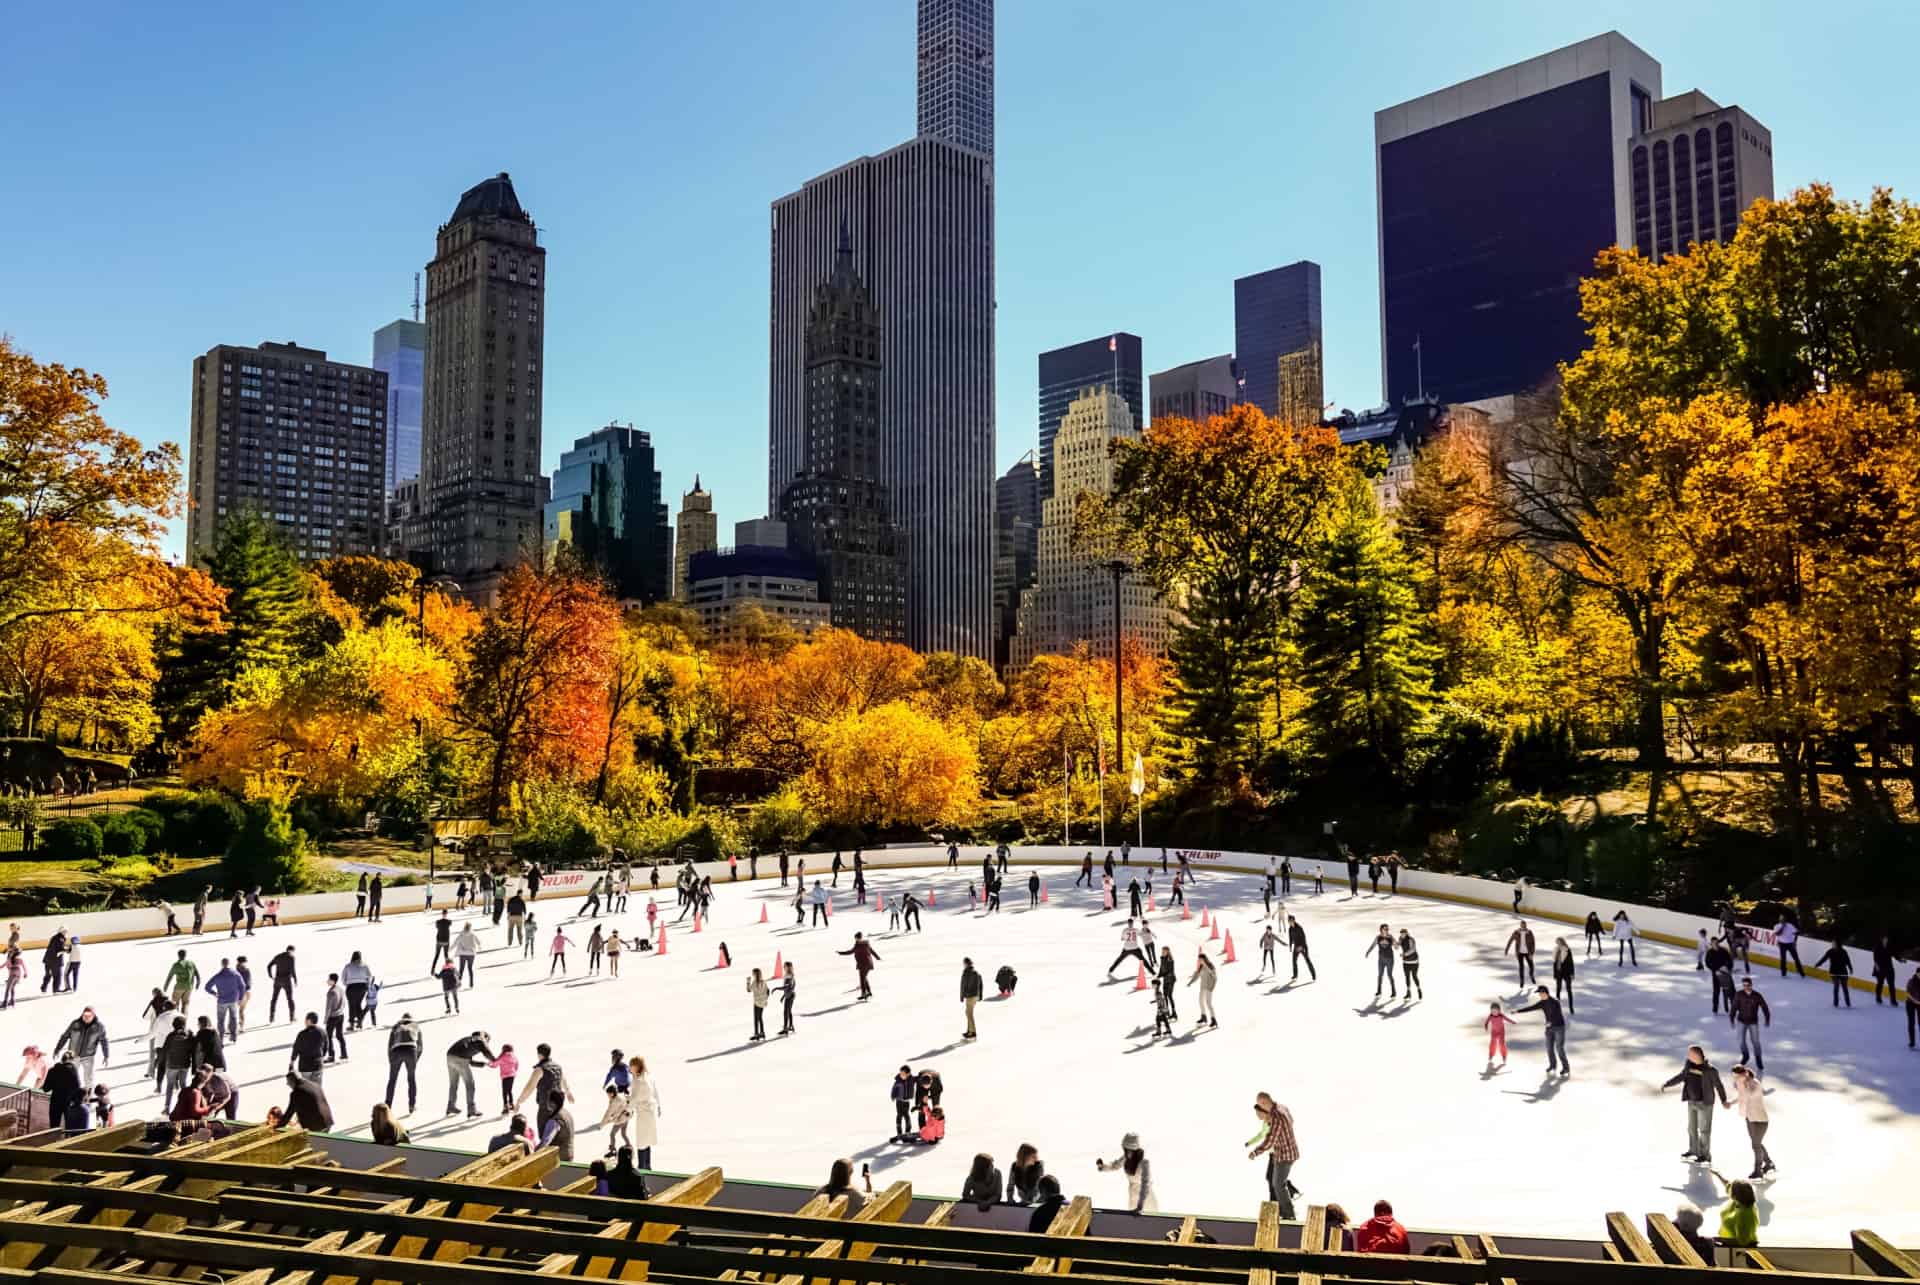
(403,1054)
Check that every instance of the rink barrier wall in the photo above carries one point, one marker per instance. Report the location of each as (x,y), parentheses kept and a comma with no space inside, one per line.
(1651,923)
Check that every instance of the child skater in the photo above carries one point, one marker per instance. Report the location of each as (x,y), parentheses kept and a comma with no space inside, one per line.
(619,1111)
(1496,1026)
(508,1064)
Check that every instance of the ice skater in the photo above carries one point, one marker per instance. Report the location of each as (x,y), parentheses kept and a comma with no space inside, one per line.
(1563,971)
(1520,946)
(1381,948)
(558,952)
(1410,964)
(901,1093)
(1750,1100)
(1168,977)
(1623,940)
(1745,1012)
(1086,872)
(596,947)
(758,992)
(972,989)
(1786,939)
(1134,905)
(442,943)
(1207,976)
(1699,1084)
(1496,1027)
(910,912)
(1139,1170)
(864,958)
(1129,945)
(1839,965)
(789,991)
(1297,944)
(1033,890)
(1269,939)
(1883,974)
(1549,1009)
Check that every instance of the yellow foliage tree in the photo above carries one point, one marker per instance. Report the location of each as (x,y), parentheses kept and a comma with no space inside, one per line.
(892,765)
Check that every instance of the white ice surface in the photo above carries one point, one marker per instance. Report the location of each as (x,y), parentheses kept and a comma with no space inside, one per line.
(1390,1100)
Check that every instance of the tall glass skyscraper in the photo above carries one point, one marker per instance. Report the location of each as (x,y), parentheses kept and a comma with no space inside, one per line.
(1494,197)
(956,72)
(400,350)
(919,218)
(1111,361)
(1276,315)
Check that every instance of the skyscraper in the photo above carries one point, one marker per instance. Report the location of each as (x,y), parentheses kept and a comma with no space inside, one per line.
(606,507)
(1494,195)
(956,72)
(1016,543)
(1111,360)
(400,352)
(695,530)
(480,430)
(1695,171)
(1276,315)
(1071,600)
(920,220)
(838,511)
(301,440)
(1198,390)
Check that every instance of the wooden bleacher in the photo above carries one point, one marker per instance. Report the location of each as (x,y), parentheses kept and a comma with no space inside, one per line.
(261,1207)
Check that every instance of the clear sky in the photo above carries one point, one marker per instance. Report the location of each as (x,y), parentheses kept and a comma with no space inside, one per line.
(184,175)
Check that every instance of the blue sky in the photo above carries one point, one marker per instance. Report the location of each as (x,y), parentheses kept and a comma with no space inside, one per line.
(184,175)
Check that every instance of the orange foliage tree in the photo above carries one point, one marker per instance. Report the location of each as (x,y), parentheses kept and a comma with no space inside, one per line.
(534,697)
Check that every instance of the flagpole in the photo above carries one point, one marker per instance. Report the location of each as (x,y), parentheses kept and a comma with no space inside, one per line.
(1100,764)
(1066,794)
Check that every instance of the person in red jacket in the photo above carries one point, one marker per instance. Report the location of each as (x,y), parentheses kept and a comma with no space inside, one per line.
(864,956)
(1380,1234)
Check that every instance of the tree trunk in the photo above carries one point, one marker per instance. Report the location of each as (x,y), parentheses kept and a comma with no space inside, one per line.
(494,781)
(1650,725)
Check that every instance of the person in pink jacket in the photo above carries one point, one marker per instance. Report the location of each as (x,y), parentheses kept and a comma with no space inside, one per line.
(1496,1026)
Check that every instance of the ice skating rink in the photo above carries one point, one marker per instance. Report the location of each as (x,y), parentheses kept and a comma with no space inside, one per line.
(1391,1099)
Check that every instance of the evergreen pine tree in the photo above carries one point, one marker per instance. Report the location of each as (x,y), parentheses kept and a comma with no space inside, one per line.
(269,621)
(1366,663)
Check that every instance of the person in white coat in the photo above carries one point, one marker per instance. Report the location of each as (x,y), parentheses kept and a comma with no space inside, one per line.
(1750,1100)
(644,1099)
(1623,934)
(1139,1170)
(1205,974)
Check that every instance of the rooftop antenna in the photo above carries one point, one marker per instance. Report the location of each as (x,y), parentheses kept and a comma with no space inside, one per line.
(416,296)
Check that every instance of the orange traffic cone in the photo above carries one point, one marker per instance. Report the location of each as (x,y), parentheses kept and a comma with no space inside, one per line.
(1184,912)
(1229,947)
(725,958)
(1043,894)
(829,909)
(1140,981)
(777,963)
(1150,905)
(696,921)
(1215,934)
(763,912)
(661,949)
(1204,922)
(929,896)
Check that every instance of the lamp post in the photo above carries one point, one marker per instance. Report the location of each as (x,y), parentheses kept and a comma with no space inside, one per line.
(1119,567)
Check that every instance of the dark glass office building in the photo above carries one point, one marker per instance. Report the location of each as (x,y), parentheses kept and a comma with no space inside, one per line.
(1111,361)
(606,506)
(1494,197)
(1275,314)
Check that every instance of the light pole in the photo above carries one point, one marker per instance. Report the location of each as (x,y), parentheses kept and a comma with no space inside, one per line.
(1119,567)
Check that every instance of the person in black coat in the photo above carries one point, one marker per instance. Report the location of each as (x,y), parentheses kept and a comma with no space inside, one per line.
(67,1100)
(1699,1084)
(1297,943)
(1839,966)
(309,1053)
(206,1046)
(1050,1203)
(306,1105)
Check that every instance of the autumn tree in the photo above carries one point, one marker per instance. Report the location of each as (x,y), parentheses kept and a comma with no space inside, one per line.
(93,668)
(536,682)
(82,505)
(1222,512)
(339,725)
(889,765)
(378,589)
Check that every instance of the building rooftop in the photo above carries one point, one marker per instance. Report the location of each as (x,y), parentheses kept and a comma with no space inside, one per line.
(490,198)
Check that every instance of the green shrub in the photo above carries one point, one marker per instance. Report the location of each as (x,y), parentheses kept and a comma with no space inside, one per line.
(268,852)
(152,826)
(1528,836)
(1455,761)
(72,839)
(782,821)
(122,836)
(206,829)
(167,803)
